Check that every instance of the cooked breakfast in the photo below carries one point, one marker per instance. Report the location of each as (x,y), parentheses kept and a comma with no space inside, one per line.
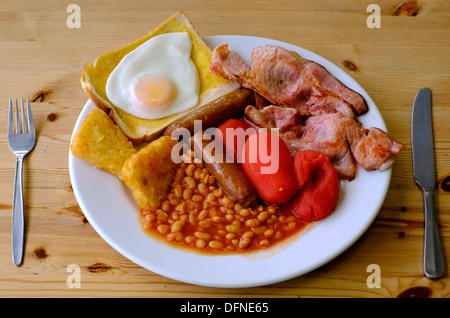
(276,138)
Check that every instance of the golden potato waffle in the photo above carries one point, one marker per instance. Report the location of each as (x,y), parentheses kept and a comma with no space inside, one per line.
(150,171)
(101,143)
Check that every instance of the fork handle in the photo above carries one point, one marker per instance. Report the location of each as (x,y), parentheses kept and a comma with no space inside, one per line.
(18,215)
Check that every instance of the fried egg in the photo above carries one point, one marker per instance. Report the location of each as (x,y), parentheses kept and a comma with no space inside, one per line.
(157,79)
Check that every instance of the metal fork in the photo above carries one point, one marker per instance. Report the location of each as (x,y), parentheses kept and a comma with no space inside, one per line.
(21,141)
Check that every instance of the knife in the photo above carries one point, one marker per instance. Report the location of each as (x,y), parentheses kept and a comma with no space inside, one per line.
(424,176)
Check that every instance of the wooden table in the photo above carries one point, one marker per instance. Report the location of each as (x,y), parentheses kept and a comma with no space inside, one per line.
(41,58)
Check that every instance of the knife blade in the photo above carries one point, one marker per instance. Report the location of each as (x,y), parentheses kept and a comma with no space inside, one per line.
(424,176)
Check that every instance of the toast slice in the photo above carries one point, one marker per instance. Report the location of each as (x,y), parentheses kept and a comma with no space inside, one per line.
(212,87)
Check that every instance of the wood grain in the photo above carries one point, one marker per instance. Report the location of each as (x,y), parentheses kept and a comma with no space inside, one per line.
(42,59)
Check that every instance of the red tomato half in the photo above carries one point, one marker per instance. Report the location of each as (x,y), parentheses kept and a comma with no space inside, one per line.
(234,138)
(268,164)
(318,177)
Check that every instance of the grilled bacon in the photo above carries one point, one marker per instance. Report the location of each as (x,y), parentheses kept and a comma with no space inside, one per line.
(341,138)
(287,80)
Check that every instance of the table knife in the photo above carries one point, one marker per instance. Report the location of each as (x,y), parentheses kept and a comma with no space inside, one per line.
(424,176)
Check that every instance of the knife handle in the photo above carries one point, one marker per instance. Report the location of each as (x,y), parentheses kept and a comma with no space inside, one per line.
(433,260)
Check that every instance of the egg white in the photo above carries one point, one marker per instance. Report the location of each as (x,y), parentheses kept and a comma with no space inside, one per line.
(166,55)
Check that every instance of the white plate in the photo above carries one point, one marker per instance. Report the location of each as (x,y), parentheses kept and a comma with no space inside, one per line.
(111,210)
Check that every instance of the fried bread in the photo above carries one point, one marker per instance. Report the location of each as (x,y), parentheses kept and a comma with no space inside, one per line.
(212,87)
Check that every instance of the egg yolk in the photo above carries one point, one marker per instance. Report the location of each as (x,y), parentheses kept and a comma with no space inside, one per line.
(153,93)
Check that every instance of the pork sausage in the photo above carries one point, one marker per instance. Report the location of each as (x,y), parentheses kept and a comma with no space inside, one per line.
(228,175)
(215,113)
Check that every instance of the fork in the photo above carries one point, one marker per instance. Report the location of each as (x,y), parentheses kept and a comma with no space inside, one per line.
(21,141)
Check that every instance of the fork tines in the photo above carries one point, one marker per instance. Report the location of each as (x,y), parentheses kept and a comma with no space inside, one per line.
(29,127)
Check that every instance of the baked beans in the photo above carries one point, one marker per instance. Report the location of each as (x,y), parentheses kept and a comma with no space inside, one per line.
(198,214)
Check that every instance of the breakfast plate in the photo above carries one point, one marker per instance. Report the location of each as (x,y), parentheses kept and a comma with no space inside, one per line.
(111,210)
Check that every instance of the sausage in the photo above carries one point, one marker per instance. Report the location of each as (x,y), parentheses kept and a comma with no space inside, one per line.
(228,175)
(216,112)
